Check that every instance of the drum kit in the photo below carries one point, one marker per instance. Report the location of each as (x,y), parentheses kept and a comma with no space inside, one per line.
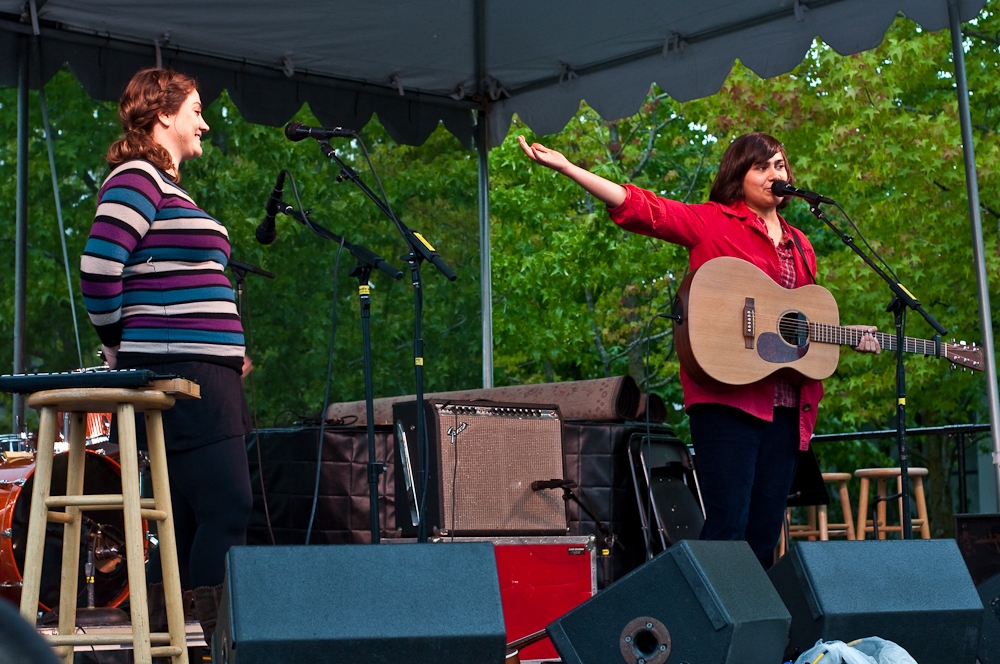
(103,573)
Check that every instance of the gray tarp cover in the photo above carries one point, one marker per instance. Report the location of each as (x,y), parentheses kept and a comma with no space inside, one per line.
(415,63)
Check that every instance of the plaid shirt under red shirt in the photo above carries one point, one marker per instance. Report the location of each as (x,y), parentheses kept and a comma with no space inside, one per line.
(785,393)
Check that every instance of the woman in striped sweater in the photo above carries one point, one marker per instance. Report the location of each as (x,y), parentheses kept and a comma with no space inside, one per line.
(153,282)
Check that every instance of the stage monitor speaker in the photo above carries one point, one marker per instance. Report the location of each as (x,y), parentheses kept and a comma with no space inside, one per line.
(483,458)
(978,537)
(698,602)
(413,603)
(989,635)
(916,593)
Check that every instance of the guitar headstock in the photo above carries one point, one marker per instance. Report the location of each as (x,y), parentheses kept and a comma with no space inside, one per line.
(968,357)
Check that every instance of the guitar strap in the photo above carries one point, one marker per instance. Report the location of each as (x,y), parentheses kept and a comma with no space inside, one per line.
(798,245)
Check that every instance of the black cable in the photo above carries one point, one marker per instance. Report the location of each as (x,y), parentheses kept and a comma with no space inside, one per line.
(850,221)
(454,473)
(247,329)
(649,434)
(329,363)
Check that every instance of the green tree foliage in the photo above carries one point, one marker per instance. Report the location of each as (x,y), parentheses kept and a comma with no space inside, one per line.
(573,294)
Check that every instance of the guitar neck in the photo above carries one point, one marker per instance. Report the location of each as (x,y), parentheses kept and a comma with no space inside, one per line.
(846,336)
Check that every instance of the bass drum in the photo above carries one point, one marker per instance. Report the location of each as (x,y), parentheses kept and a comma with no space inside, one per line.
(102,529)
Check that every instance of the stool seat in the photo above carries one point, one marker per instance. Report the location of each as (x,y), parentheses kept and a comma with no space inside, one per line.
(99,399)
(881,476)
(78,402)
(889,472)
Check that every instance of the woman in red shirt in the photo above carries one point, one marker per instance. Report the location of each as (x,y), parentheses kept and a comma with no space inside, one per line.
(747,439)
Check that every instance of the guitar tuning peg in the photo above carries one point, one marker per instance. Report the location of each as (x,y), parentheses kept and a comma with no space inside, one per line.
(954,366)
(962,343)
(953,340)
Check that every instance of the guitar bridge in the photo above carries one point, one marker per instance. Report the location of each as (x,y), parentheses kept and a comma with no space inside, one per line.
(748,327)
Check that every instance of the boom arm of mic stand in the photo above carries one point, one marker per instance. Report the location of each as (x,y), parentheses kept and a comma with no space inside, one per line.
(418,246)
(898,290)
(363,254)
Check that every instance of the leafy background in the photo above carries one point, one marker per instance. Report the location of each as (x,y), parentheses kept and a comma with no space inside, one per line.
(573,294)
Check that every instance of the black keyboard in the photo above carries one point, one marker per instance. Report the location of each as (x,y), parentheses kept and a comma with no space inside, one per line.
(123,378)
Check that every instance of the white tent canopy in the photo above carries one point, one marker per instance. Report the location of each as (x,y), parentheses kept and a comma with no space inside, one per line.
(470,64)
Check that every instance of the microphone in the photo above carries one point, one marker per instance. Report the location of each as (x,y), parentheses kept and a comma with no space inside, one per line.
(539,485)
(782,188)
(266,232)
(296,131)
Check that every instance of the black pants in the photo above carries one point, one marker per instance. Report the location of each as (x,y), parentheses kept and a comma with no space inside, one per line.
(212,500)
(745,470)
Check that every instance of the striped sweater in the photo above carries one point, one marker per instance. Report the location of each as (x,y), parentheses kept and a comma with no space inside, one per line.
(152,274)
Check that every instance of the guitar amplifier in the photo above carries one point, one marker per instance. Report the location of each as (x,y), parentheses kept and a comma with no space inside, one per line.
(483,457)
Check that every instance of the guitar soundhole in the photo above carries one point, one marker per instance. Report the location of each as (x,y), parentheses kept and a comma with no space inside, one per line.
(793,328)
(790,343)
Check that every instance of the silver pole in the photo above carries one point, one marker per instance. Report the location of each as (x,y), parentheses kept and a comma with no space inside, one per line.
(21,228)
(978,250)
(59,218)
(485,269)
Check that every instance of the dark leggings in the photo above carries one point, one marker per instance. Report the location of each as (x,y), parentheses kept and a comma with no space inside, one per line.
(745,470)
(212,500)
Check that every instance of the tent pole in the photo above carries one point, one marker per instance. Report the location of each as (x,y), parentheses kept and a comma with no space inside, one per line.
(21,228)
(978,250)
(483,155)
(485,267)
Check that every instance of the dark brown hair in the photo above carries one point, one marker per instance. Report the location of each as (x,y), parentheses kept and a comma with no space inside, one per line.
(151,92)
(741,155)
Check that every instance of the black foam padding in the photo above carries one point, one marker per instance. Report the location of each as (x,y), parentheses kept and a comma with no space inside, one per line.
(713,598)
(916,593)
(989,635)
(413,603)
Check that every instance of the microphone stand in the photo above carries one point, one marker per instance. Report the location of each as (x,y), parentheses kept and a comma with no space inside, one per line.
(419,250)
(902,299)
(367,261)
(240,271)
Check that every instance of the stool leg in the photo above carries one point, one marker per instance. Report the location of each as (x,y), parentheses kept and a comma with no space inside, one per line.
(172,592)
(862,508)
(69,585)
(824,524)
(35,546)
(918,492)
(881,492)
(845,505)
(134,554)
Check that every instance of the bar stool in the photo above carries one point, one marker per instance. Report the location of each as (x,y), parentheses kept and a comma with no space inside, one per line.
(126,402)
(817,517)
(881,475)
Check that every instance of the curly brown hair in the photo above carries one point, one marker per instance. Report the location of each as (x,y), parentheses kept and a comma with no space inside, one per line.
(151,92)
(741,155)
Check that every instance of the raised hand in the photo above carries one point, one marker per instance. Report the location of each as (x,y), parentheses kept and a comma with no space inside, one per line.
(544,156)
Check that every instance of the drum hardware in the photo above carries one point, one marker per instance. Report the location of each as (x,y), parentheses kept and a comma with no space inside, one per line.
(10,584)
(7,533)
(18,482)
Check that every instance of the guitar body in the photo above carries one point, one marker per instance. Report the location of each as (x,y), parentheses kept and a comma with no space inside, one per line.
(730,335)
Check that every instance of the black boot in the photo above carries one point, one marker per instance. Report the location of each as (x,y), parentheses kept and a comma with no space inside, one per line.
(206,607)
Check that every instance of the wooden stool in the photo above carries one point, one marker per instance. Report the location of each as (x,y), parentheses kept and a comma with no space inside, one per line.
(881,475)
(818,525)
(125,402)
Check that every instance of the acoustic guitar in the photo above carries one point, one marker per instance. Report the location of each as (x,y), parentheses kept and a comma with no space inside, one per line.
(738,326)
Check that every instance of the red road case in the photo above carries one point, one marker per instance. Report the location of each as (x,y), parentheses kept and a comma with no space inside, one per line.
(541,578)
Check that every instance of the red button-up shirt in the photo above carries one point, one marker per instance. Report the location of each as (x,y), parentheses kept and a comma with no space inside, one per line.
(710,230)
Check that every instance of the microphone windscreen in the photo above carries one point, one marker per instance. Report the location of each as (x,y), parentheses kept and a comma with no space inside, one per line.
(292,131)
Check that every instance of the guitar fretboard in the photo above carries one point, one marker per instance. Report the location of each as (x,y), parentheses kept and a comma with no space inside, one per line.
(846,336)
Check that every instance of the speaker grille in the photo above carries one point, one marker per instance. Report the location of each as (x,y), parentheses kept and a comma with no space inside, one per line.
(486,474)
